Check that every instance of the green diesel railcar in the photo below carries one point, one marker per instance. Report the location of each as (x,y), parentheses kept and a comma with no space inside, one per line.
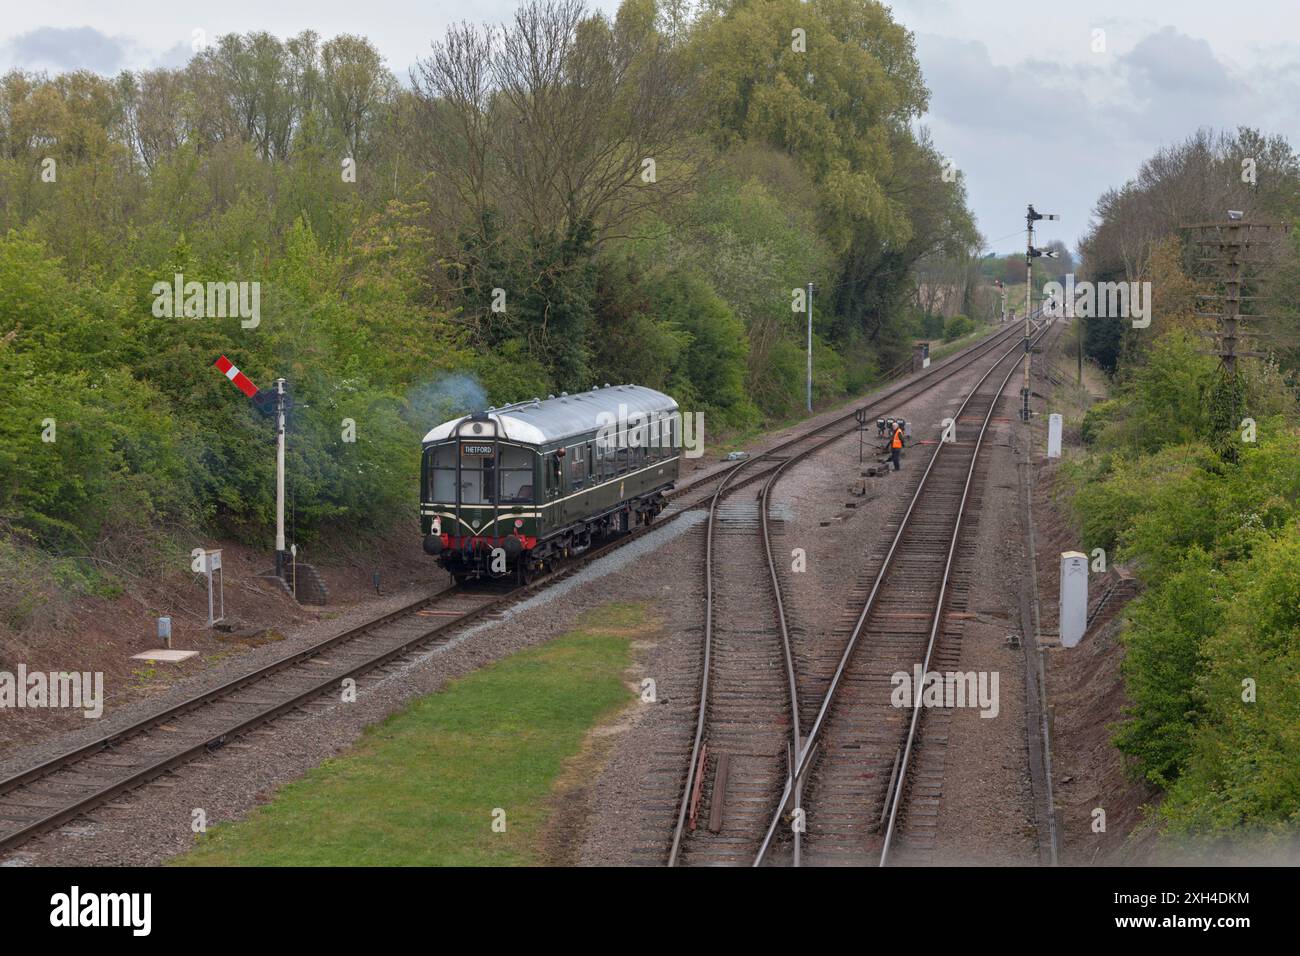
(510,491)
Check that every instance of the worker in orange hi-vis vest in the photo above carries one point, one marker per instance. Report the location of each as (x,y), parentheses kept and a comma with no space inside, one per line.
(896,445)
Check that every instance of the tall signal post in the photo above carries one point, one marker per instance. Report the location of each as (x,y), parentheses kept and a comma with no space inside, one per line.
(281,553)
(1031,217)
(264,405)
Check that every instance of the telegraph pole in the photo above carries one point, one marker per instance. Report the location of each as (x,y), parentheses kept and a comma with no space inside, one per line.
(1236,257)
(810,298)
(1226,248)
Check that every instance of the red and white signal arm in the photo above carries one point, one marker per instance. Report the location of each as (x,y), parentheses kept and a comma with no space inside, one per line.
(242,381)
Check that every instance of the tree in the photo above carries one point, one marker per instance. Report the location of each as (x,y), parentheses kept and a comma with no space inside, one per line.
(553,122)
(354,87)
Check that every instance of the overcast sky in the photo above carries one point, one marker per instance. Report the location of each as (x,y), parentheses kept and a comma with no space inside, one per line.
(1020,99)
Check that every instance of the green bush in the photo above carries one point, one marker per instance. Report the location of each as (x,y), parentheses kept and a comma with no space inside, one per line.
(83,453)
(930,327)
(1163,633)
(1217,546)
(956,327)
(711,366)
(1098,418)
(1242,766)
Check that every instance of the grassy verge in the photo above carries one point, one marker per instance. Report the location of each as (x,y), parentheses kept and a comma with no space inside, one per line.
(421,788)
(941,350)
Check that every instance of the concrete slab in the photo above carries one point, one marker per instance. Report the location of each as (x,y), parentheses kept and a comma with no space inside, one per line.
(165,656)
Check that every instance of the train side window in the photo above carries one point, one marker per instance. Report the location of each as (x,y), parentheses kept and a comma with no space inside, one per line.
(591,459)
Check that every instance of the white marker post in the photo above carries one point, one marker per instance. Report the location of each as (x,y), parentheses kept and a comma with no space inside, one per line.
(1054,424)
(1074,597)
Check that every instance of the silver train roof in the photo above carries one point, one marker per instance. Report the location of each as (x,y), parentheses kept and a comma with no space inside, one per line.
(542,421)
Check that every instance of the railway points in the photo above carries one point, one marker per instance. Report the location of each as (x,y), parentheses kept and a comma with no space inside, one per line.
(751,720)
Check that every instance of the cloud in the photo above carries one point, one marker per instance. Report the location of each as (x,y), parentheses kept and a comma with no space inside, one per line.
(66,49)
(968,89)
(1167,62)
(1175,83)
(1059,132)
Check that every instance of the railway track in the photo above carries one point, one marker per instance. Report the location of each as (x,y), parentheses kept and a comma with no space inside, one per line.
(55,791)
(748,731)
(910,614)
(859,762)
(750,700)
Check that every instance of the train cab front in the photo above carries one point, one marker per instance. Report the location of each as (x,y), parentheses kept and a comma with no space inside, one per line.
(477,514)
